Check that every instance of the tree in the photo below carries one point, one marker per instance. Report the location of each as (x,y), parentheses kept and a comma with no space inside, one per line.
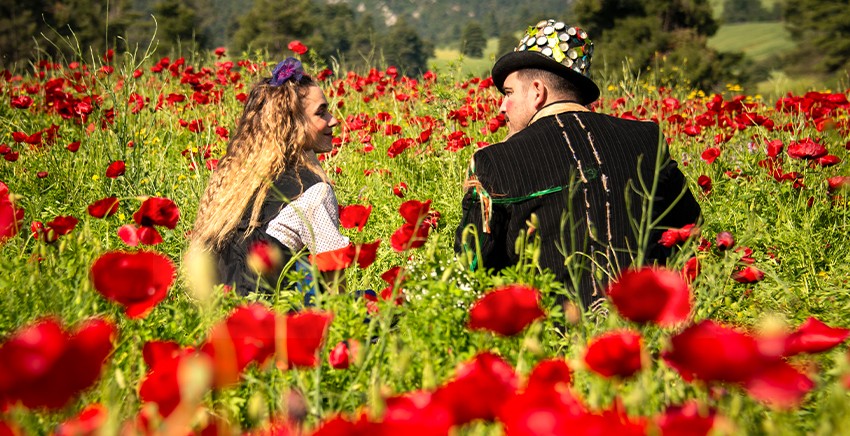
(177,23)
(650,32)
(473,41)
(740,11)
(824,25)
(272,24)
(404,49)
(507,44)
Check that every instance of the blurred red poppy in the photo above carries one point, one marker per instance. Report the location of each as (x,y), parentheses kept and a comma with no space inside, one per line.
(652,295)
(297,47)
(506,310)
(341,258)
(104,207)
(672,237)
(400,189)
(688,419)
(615,354)
(11,216)
(725,241)
(838,183)
(305,333)
(415,413)
(116,169)
(410,236)
(710,155)
(44,366)
(479,389)
(549,374)
(137,281)
(691,270)
(413,211)
(157,211)
(813,336)
(88,422)
(704,182)
(247,335)
(354,215)
(343,354)
(129,234)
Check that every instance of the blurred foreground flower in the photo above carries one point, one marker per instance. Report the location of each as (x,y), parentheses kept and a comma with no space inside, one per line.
(44,366)
(137,281)
(653,295)
(11,216)
(506,310)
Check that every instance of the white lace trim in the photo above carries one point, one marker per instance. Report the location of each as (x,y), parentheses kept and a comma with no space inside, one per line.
(311,220)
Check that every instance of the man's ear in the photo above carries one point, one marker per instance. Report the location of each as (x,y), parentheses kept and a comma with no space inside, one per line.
(540,93)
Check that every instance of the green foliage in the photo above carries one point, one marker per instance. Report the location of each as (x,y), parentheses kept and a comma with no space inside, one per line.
(642,34)
(404,49)
(507,42)
(271,24)
(177,22)
(473,40)
(740,11)
(824,26)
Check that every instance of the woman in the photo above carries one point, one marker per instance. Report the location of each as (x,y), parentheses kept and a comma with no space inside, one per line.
(269,197)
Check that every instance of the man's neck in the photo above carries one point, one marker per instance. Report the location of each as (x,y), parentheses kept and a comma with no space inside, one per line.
(557,107)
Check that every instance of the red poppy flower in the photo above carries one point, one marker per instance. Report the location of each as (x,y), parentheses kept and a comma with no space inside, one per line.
(59,226)
(711,352)
(838,183)
(710,154)
(400,189)
(166,382)
(115,169)
(297,47)
(506,310)
(410,236)
(247,335)
(725,241)
(354,215)
(264,257)
(342,355)
(137,281)
(21,102)
(813,336)
(415,413)
(806,148)
(548,412)
(104,207)
(366,253)
(157,211)
(88,422)
(413,211)
(691,270)
(651,295)
(479,390)
(774,147)
(73,147)
(779,385)
(672,237)
(129,234)
(704,182)
(615,354)
(693,130)
(341,258)
(42,365)
(686,420)
(11,217)
(399,145)
(219,51)
(549,374)
(305,333)
(749,274)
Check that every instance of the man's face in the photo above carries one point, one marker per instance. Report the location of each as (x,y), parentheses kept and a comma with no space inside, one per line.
(518,105)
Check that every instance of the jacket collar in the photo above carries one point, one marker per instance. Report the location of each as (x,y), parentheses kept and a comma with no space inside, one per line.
(557,107)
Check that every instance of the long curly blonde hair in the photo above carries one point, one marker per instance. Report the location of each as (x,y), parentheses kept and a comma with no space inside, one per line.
(269,139)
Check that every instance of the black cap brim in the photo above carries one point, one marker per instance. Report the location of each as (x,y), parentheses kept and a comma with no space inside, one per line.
(521,60)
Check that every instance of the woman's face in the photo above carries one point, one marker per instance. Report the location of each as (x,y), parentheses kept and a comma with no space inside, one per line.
(321,121)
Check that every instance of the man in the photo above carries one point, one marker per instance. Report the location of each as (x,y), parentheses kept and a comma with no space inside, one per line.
(574,174)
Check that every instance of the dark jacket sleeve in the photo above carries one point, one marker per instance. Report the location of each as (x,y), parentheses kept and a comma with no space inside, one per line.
(492,246)
(674,199)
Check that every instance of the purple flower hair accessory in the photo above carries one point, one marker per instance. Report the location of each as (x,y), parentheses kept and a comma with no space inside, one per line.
(288,69)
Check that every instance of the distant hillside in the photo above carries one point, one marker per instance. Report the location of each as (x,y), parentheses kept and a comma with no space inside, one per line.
(441,21)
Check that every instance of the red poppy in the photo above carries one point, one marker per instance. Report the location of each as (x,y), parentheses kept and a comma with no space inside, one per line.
(219,51)
(165,384)
(651,295)
(115,169)
(305,333)
(73,147)
(725,241)
(410,236)
(704,182)
(247,335)
(479,390)
(129,234)
(691,270)
(506,310)
(400,189)
(399,145)
(59,226)
(88,422)
(838,183)
(710,154)
(342,355)
(672,237)
(806,148)
(297,47)
(264,257)
(615,354)
(104,207)
(11,217)
(549,374)
(341,258)
(157,211)
(354,215)
(749,274)
(687,419)
(710,352)
(21,102)
(137,281)
(44,366)
(774,147)
(779,385)
(813,336)
(366,253)
(415,413)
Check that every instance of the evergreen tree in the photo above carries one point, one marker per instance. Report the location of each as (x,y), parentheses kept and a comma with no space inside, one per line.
(824,25)
(176,25)
(741,11)
(405,50)
(473,41)
(272,24)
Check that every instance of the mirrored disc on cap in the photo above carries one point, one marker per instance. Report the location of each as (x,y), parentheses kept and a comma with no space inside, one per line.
(547,51)
(541,24)
(568,62)
(521,47)
(572,54)
(542,40)
(548,30)
(583,35)
(564,37)
(559,26)
(571,31)
(564,46)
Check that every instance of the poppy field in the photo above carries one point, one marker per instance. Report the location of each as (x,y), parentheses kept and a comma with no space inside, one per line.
(110,325)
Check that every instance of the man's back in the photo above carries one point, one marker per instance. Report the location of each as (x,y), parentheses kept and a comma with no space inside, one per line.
(532,173)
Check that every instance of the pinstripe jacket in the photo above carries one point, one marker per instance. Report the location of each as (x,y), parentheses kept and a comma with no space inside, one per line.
(580,173)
